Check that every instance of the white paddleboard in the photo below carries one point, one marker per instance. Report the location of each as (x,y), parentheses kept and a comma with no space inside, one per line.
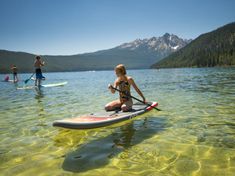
(43,85)
(55,84)
(10,80)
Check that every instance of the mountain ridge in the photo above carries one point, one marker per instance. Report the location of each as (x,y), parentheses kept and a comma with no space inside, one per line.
(142,53)
(215,48)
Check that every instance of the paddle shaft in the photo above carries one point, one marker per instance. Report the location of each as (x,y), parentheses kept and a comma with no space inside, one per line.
(26,81)
(135,98)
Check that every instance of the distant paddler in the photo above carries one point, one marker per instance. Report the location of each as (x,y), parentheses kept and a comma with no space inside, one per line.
(38,64)
(14,71)
(6,79)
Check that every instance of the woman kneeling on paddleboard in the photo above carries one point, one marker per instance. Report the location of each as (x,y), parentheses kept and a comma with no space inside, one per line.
(124,83)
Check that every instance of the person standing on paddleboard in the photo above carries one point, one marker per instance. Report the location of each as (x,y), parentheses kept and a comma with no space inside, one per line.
(38,64)
(14,71)
(124,83)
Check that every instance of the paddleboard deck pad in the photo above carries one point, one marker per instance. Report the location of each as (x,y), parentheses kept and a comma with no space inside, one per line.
(95,120)
(43,85)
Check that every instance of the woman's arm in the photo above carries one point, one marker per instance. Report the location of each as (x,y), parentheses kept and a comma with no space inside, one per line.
(115,84)
(132,82)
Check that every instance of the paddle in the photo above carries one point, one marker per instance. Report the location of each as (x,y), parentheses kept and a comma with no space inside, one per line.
(27,80)
(135,98)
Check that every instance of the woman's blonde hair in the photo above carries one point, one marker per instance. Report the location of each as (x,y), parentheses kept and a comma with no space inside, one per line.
(121,69)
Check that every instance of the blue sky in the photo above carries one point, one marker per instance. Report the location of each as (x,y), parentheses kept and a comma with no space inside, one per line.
(76,26)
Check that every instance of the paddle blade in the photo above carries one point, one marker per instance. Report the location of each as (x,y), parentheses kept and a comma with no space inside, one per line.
(26,81)
(149,103)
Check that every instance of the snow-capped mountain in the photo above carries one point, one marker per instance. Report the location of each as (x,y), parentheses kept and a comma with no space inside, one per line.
(167,42)
(134,55)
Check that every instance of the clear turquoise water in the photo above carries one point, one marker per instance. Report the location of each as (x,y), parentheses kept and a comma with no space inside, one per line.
(193,135)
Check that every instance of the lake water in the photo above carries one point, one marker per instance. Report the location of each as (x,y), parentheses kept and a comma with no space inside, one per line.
(194,134)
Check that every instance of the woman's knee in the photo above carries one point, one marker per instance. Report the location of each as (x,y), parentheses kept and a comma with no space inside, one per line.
(108,107)
(112,105)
